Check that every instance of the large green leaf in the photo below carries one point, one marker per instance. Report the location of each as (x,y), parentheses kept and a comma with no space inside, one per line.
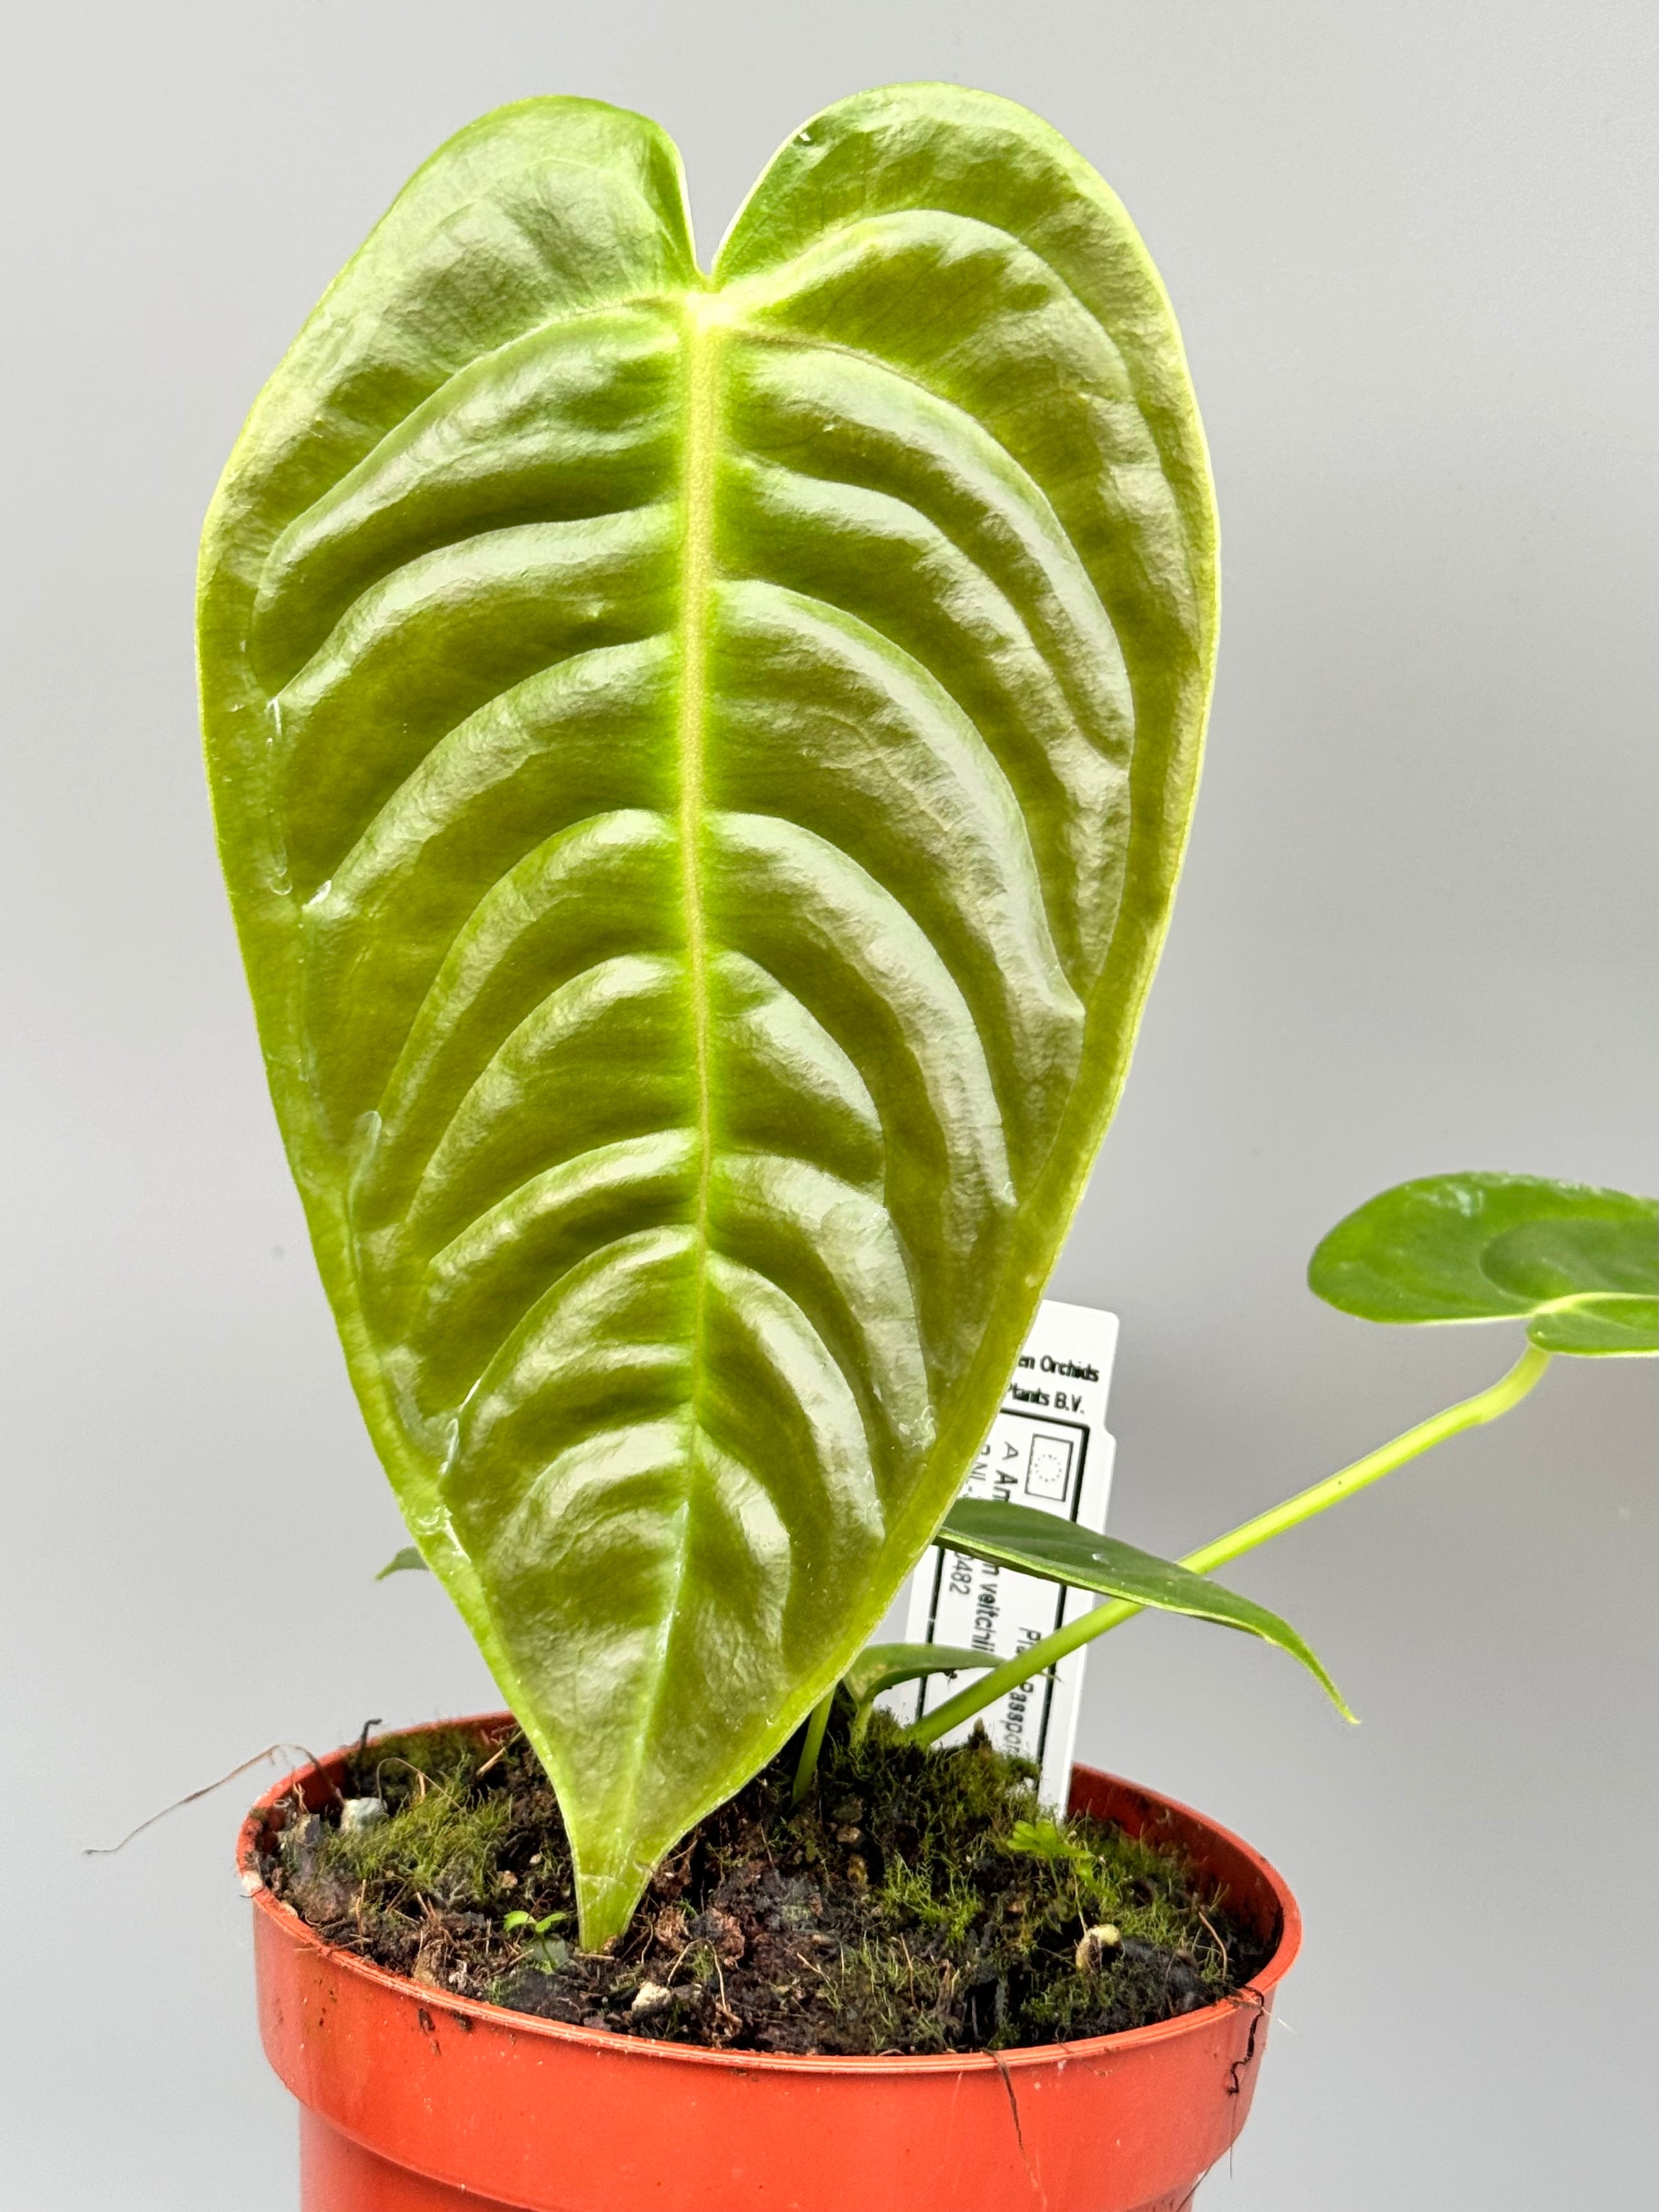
(1580,1266)
(702,766)
(1037,1543)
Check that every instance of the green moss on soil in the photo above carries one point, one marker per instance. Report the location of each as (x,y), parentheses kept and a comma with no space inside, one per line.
(917,1901)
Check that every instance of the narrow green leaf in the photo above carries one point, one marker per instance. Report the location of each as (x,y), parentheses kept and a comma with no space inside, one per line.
(701,765)
(1580,1266)
(408,1561)
(1042,1544)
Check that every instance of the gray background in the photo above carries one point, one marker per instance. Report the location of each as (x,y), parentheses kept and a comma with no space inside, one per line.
(1406,245)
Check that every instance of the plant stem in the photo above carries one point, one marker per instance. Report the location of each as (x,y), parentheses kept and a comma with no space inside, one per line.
(812,1744)
(1467,1414)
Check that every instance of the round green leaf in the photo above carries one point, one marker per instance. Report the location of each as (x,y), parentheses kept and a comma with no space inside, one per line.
(701,765)
(1580,1266)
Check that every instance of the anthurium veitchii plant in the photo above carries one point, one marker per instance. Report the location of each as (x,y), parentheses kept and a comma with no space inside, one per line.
(701,763)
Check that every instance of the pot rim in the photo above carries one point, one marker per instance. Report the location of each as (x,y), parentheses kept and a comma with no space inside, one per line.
(1255,1995)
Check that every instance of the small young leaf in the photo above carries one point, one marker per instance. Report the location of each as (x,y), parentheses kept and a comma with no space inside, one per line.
(1040,1544)
(881,1667)
(515,1920)
(1580,1266)
(408,1561)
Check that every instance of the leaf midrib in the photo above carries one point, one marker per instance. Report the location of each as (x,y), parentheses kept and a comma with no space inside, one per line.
(695,570)
(700,341)
(696,567)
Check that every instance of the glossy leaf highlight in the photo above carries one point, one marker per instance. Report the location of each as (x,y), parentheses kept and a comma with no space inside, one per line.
(1580,1266)
(701,764)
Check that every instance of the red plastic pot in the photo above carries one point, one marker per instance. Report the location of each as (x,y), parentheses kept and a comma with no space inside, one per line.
(412,2100)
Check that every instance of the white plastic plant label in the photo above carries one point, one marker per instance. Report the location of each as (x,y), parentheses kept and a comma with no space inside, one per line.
(1048,1448)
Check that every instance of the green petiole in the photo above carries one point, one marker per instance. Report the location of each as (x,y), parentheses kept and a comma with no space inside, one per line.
(1468,1413)
(812,1744)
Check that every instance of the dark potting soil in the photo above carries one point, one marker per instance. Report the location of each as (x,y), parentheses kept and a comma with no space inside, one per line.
(917,1901)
